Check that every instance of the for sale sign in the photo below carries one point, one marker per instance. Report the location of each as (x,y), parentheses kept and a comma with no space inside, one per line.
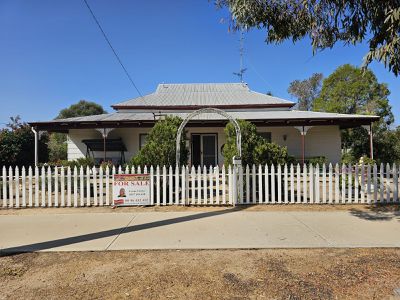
(131,189)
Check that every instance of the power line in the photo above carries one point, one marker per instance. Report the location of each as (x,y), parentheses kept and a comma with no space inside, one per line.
(112,48)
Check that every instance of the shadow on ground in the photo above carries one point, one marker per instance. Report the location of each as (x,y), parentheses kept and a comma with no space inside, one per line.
(380,212)
(112,232)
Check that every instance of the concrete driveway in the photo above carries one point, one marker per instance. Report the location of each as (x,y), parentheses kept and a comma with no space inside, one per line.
(222,229)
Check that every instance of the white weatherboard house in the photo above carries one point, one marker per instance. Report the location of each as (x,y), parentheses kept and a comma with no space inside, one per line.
(122,133)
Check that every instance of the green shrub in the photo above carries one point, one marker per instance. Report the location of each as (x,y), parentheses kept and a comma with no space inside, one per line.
(320,160)
(160,147)
(255,149)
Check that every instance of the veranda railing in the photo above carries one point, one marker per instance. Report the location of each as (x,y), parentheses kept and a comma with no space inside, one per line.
(262,184)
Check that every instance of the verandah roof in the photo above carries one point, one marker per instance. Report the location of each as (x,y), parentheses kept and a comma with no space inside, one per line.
(260,117)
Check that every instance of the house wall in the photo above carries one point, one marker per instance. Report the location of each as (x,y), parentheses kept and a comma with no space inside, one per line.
(319,141)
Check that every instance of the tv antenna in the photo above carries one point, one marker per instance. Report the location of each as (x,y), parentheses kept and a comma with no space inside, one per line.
(241,52)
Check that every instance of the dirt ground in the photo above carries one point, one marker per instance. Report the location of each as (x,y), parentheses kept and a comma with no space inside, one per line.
(203,274)
(275,207)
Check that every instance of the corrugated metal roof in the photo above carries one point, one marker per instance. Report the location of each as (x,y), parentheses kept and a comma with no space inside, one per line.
(246,115)
(202,94)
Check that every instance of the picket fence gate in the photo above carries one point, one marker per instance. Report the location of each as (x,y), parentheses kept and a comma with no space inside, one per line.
(262,184)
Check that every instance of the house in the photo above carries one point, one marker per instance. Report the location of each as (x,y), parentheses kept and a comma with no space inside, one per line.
(123,132)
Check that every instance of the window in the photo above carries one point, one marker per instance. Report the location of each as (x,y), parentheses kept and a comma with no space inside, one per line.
(142,140)
(266,136)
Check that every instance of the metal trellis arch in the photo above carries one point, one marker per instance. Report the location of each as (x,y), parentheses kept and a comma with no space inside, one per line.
(202,111)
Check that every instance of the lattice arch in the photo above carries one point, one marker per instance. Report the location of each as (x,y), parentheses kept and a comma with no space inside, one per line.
(203,111)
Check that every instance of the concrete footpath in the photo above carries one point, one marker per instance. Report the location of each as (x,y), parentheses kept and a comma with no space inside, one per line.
(227,228)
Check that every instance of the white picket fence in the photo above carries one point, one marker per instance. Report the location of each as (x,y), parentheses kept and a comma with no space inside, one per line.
(282,184)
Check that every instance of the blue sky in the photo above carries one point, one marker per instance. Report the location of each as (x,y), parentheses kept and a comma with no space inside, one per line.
(52,54)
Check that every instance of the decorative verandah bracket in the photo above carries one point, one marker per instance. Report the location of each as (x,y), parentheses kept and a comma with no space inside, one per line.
(104,133)
(303,131)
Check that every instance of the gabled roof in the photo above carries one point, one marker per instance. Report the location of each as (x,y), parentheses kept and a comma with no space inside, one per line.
(189,96)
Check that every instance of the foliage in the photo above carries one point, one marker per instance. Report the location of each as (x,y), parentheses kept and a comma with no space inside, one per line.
(317,160)
(57,146)
(349,90)
(17,145)
(82,108)
(306,91)
(160,147)
(255,149)
(57,141)
(366,160)
(80,162)
(326,22)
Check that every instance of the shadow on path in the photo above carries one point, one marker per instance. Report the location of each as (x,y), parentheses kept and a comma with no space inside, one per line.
(378,213)
(112,232)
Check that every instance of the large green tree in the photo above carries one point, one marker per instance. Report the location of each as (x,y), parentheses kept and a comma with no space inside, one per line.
(306,91)
(57,141)
(326,22)
(351,90)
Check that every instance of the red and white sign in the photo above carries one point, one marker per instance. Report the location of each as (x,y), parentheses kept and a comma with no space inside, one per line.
(131,189)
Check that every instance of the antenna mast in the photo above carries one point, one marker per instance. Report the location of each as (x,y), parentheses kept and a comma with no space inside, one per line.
(241,52)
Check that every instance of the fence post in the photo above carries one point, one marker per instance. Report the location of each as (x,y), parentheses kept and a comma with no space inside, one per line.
(381,184)
(205,198)
(305,198)
(171,185)
(230,184)
(337,182)
(10,187)
(375,171)
(323,183)
(36,187)
(176,185)
(30,201)
(56,186)
(43,187)
(158,185)
(266,180)
(388,183)
(311,189)
(164,185)
(4,187)
(292,199)
(193,181)
(82,186)
(234,185)
(260,184)
(95,199)
(62,187)
(343,184)
(75,186)
(298,179)
(151,185)
(273,184)
(88,186)
(211,185)
(49,181)
(395,184)
(330,188)
(23,181)
(350,183)
(69,186)
(16,187)
(253,184)
(316,184)
(369,184)
(223,185)
(183,194)
(247,184)
(199,185)
(217,186)
(362,194)
(356,187)
(101,186)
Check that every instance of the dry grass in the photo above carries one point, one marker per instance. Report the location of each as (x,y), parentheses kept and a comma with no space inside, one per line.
(217,274)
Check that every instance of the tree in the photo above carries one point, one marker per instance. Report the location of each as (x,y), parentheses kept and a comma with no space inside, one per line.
(57,141)
(80,109)
(349,90)
(255,149)
(17,144)
(160,147)
(306,91)
(326,22)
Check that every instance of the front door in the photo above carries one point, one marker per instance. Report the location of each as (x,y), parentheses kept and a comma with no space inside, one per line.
(204,149)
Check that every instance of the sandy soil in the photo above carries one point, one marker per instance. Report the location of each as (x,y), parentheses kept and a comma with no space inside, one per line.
(223,274)
(274,207)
